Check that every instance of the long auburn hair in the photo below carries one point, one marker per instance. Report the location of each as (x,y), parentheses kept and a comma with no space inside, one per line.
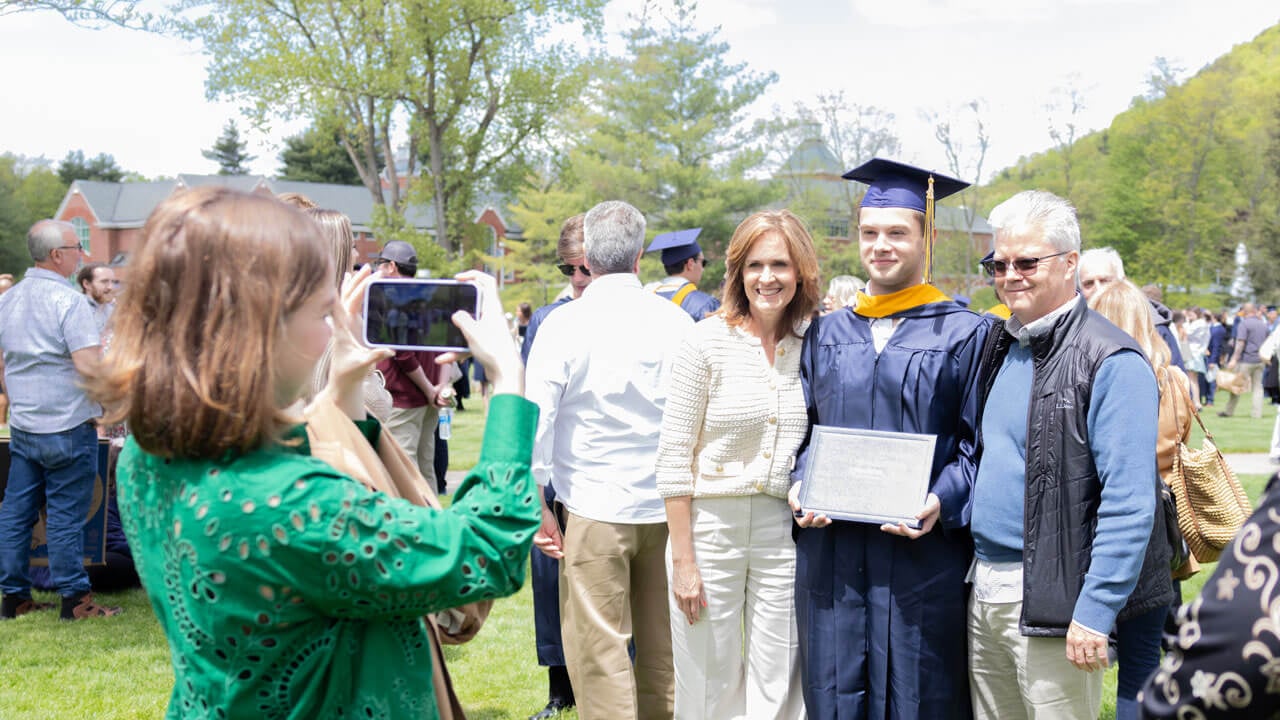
(198,329)
(734,306)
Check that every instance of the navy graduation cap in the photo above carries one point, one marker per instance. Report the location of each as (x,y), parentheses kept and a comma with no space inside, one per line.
(898,185)
(894,184)
(677,246)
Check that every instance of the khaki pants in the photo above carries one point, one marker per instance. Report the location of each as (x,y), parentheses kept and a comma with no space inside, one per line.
(613,591)
(1254,370)
(1014,677)
(415,430)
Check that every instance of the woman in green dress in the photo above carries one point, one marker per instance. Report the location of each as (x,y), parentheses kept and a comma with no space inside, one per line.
(286,589)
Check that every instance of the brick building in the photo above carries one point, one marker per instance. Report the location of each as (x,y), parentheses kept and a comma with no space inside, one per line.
(108,217)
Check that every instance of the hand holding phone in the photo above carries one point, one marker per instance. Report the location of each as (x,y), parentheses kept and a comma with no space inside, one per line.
(490,338)
(416,314)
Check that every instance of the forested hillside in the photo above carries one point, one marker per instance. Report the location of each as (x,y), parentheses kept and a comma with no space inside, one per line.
(1180,178)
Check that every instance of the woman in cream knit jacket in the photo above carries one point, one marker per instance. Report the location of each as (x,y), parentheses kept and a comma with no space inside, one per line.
(734,417)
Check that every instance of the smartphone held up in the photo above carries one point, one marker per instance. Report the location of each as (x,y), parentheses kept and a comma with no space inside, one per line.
(417,314)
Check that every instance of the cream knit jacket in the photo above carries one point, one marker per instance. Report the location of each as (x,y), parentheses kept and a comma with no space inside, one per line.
(732,422)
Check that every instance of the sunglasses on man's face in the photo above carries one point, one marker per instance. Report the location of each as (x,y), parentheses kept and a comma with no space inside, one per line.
(1024,266)
(568,269)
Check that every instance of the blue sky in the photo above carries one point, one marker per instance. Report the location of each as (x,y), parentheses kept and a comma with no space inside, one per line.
(141,97)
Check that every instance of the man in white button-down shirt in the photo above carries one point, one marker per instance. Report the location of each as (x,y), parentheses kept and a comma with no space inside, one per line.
(599,373)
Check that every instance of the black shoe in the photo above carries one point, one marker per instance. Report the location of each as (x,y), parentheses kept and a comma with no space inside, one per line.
(553,709)
(1224,414)
(79,607)
(13,606)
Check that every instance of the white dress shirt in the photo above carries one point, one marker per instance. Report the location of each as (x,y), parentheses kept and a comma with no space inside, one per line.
(599,374)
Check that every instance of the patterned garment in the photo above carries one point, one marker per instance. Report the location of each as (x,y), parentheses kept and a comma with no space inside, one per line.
(287,590)
(1224,659)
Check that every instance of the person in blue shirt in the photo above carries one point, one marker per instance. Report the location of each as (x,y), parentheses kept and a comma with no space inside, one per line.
(1219,337)
(572,266)
(1066,489)
(684,262)
(51,342)
(879,607)
(545,571)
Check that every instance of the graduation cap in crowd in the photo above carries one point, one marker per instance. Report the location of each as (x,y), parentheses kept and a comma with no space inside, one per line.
(898,185)
(677,246)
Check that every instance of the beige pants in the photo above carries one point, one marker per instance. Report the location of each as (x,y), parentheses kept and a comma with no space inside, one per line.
(415,430)
(613,591)
(1014,677)
(747,561)
(1254,370)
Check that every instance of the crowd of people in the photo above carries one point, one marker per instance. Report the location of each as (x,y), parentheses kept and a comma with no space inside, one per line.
(680,485)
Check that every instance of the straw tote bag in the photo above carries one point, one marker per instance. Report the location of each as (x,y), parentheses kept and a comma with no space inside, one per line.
(1212,506)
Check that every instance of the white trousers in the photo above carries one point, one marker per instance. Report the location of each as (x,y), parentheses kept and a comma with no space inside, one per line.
(1275,440)
(741,659)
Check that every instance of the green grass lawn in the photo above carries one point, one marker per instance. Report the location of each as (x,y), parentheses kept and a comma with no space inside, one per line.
(468,429)
(1238,433)
(118,668)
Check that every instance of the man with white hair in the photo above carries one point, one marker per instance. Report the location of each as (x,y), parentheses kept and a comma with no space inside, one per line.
(51,341)
(1065,494)
(1100,266)
(600,385)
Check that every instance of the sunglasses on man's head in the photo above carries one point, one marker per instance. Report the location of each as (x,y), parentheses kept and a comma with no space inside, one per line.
(1024,266)
(568,269)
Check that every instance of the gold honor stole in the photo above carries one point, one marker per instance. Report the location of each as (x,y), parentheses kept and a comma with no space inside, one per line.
(881,306)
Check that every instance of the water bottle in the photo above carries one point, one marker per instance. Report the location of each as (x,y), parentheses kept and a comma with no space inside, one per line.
(444,427)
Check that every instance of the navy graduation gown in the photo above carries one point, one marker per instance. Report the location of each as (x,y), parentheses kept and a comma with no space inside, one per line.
(882,618)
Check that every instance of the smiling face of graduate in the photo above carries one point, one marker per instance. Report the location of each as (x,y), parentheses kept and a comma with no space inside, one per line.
(891,245)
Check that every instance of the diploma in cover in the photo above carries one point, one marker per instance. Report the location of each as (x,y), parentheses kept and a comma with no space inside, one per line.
(867,475)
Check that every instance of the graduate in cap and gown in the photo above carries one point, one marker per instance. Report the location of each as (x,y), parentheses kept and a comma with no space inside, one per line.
(881,609)
(683,260)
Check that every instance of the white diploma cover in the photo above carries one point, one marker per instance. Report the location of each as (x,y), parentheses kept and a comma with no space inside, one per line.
(867,476)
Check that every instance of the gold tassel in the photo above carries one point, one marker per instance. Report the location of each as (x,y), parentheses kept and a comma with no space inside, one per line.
(928,232)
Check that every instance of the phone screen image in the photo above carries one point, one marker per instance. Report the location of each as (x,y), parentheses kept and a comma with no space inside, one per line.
(417,314)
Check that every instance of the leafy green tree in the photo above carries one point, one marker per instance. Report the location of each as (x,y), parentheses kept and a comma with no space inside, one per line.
(87,13)
(663,129)
(477,81)
(317,155)
(29,191)
(1264,225)
(541,213)
(1182,176)
(103,167)
(229,152)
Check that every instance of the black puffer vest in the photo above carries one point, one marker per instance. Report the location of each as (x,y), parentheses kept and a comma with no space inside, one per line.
(1063,489)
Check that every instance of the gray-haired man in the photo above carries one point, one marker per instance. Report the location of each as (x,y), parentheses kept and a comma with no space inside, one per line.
(598,373)
(50,339)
